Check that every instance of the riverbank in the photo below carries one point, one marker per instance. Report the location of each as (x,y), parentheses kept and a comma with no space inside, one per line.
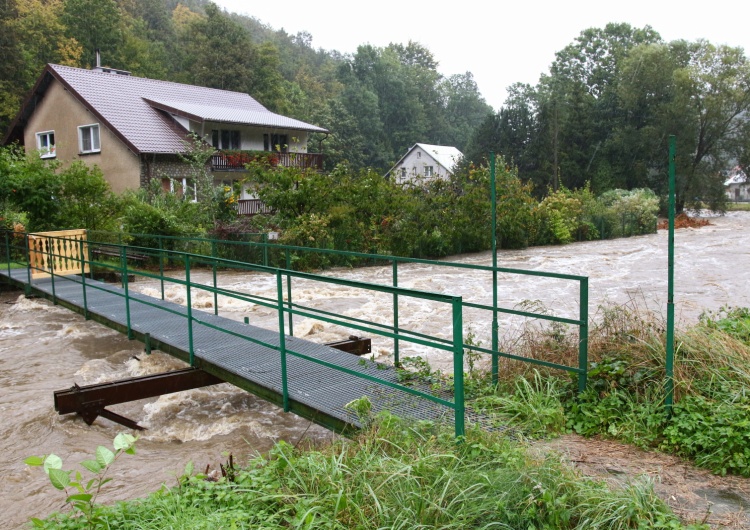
(47,348)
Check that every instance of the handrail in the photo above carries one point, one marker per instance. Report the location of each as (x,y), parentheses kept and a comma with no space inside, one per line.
(267,248)
(194,317)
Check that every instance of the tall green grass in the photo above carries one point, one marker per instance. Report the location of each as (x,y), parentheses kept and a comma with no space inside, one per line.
(400,477)
(625,398)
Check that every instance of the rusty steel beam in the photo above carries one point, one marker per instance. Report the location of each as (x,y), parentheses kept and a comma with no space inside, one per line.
(90,401)
(355,345)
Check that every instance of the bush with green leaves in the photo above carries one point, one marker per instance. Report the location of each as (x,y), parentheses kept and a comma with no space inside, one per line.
(627,213)
(82,493)
(562,217)
(29,184)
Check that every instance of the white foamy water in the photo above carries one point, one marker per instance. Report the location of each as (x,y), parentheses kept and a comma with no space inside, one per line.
(45,348)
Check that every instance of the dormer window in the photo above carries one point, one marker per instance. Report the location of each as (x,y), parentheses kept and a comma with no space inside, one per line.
(45,142)
(88,139)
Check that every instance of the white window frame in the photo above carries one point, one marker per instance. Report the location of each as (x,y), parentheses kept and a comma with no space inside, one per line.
(95,139)
(46,151)
(429,171)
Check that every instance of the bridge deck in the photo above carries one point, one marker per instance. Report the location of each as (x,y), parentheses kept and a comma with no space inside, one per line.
(317,392)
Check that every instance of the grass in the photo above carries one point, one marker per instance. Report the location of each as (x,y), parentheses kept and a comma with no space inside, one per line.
(398,477)
(738,206)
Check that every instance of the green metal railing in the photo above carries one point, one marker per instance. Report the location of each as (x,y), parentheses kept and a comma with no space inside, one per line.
(283,257)
(284,308)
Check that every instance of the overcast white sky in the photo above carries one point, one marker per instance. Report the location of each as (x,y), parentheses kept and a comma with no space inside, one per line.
(502,43)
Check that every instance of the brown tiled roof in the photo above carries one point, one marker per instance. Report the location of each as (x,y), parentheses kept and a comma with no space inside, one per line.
(134,107)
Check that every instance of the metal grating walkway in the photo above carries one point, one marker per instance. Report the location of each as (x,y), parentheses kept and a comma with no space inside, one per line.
(323,390)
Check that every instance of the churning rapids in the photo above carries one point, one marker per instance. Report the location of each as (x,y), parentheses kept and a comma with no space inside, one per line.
(46,348)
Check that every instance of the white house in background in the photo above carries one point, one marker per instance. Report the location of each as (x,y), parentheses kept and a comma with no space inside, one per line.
(425,162)
(737,186)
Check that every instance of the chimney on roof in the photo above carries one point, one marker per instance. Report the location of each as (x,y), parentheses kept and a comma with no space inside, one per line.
(106,69)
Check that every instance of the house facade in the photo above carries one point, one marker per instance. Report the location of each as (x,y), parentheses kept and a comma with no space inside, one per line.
(737,187)
(425,162)
(134,128)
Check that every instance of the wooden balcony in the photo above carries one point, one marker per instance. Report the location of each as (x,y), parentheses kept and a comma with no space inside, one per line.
(236,160)
(252,207)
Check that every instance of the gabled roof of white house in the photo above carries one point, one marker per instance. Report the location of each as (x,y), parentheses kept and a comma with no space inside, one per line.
(445,155)
(737,177)
(134,108)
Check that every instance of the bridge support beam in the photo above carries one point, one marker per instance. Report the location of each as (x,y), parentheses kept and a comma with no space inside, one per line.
(90,401)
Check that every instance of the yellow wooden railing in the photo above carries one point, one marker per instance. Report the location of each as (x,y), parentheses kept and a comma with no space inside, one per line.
(62,251)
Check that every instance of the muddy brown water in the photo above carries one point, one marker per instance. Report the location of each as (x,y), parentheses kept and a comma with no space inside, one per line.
(45,348)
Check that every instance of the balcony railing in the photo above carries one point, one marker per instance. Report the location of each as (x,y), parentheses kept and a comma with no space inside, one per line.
(236,160)
(252,207)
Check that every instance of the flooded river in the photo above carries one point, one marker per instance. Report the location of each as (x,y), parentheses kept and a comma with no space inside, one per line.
(46,348)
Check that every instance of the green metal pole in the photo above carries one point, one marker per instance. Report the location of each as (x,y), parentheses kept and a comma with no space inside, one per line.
(51,266)
(458,366)
(265,250)
(396,359)
(188,300)
(216,295)
(124,271)
(161,267)
(27,287)
(669,400)
(583,335)
(7,251)
(289,292)
(495,326)
(282,341)
(83,279)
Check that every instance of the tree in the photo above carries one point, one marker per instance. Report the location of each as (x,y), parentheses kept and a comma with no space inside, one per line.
(217,52)
(95,25)
(464,108)
(698,92)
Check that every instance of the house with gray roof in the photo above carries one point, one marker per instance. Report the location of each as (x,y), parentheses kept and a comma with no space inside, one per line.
(425,162)
(737,186)
(133,128)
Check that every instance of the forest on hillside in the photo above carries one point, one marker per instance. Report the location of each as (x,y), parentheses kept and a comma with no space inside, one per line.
(602,114)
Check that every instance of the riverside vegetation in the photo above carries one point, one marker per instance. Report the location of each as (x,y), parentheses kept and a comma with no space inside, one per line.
(393,475)
(343,209)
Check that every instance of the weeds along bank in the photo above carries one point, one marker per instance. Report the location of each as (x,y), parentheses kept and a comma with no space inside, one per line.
(392,476)
(710,421)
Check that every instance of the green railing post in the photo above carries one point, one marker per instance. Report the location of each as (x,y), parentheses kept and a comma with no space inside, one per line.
(83,279)
(125,286)
(396,359)
(583,335)
(669,361)
(282,341)
(265,249)
(495,326)
(213,259)
(7,251)
(458,366)
(51,266)
(161,266)
(289,292)
(147,343)
(27,287)
(191,350)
